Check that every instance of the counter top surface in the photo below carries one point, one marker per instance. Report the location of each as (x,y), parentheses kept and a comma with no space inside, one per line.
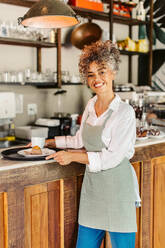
(141,149)
(10,164)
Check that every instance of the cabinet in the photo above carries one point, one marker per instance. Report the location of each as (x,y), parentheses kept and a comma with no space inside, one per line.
(51,213)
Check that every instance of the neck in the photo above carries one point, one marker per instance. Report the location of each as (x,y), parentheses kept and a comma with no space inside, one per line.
(105,100)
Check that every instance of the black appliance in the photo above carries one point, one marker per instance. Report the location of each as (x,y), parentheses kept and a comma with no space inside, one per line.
(65,122)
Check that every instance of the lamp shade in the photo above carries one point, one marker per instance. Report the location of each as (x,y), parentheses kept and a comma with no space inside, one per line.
(49,14)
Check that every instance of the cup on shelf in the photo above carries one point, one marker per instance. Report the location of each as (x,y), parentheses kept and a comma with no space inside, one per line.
(75,79)
(20,76)
(6,77)
(38,141)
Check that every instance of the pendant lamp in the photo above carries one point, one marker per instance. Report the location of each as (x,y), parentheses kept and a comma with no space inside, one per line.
(49,14)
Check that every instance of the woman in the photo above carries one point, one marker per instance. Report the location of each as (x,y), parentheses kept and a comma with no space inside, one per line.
(107,132)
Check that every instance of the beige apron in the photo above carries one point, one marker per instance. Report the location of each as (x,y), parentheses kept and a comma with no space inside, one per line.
(107,197)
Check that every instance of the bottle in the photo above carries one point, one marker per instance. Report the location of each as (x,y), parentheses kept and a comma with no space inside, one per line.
(74,126)
(11,134)
(140,12)
(139,111)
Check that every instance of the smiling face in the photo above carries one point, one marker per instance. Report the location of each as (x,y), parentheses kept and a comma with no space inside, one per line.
(100,77)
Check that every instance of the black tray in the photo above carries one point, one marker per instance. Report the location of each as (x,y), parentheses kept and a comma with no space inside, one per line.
(12,154)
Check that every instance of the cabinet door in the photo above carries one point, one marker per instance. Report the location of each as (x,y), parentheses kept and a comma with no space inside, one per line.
(3,221)
(138,210)
(137,167)
(159,203)
(51,214)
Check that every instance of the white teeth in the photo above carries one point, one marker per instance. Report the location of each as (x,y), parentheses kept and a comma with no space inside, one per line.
(98,85)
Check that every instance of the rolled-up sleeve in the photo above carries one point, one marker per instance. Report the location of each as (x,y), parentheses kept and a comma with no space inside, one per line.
(122,140)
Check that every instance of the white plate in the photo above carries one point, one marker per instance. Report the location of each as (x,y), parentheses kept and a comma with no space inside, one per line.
(45,152)
(161,135)
(142,138)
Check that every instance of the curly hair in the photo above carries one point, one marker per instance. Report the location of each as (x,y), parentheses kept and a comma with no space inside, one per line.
(99,52)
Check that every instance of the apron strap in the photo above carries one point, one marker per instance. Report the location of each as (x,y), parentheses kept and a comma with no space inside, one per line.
(108,116)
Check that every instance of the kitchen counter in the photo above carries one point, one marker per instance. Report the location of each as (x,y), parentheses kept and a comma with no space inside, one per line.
(10,165)
(44,194)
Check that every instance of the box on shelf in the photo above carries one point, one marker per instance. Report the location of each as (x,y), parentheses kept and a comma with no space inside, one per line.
(86,4)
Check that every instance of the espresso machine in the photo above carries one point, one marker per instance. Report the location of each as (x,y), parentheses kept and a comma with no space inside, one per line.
(7,114)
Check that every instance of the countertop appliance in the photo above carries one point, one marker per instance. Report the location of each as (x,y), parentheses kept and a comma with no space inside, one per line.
(53,126)
(65,122)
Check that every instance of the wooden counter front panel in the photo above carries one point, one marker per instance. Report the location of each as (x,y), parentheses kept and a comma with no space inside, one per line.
(3,221)
(159,203)
(51,212)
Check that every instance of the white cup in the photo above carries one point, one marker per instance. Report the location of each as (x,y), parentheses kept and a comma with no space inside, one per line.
(38,141)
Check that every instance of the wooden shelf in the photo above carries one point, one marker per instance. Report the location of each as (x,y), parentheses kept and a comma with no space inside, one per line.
(29,43)
(98,15)
(40,85)
(124,52)
(126,4)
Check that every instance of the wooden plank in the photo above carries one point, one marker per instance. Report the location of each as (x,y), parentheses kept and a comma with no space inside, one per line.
(62,214)
(2,224)
(59,75)
(39,60)
(24,3)
(70,212)
(5,220)
(137,167)
(35,222)
(44,220)
(159,203)
(16,218)
(32,214)
(28,43)
(146,209)
(79,185)
(54,214)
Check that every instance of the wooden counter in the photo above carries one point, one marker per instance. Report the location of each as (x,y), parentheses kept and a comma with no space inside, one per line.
(39,202)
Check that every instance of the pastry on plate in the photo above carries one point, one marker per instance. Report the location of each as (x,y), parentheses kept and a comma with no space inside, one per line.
(140,132)
(154,132)
(36,150)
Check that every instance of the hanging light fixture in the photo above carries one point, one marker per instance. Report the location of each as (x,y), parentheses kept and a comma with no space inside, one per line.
(49,14)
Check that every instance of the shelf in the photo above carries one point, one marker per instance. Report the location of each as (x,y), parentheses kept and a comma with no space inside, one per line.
(124,52)
(126,4)
(45,85)
(29,43)
(98,15)
(129,4)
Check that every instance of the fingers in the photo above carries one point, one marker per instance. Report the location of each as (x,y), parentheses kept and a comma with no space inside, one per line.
(50,156)
(29,145)
(60,157)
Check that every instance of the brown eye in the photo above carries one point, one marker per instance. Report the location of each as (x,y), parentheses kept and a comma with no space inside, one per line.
(90,75)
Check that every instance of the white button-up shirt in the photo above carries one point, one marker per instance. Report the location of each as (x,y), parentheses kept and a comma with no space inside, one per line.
(119,135)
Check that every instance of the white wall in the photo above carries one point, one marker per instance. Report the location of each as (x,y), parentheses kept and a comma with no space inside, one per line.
(15,58)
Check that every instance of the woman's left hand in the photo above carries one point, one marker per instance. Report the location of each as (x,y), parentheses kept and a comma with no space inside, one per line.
(62,157)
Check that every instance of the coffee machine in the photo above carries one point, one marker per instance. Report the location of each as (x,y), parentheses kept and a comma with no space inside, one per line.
(7,114)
